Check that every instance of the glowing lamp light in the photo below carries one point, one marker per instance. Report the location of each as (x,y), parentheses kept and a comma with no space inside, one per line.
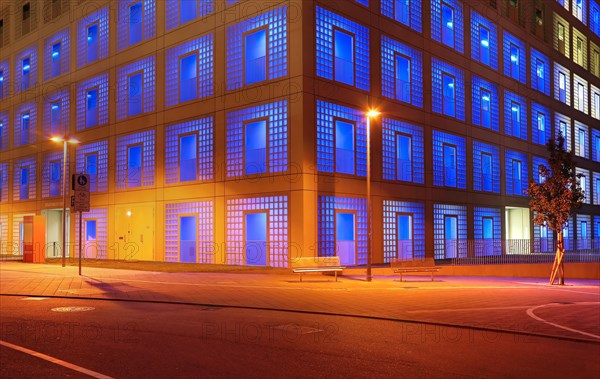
(26,68)
(128,213)
(55,54)
(89,39)
(373,113)
(449,24)
(513,58)
(486,98)
(485,42)
(54,107)
(1,79)
(514,109)
(450,85)
(61,139)
(26,116)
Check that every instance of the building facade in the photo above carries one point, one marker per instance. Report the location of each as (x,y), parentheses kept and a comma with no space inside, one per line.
(235,132)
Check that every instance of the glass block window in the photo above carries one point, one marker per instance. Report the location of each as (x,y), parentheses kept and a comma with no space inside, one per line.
(92,37)
(4,78)
(203,243)
(26,66)
(52,184)
(4,128)
(515,169)
(3,182)
(130,171)
(562,84)
(57,54)
(196,164)
(190,71)
(487,227)
(580,94)
(130,98)
(275,116)
(448,92)
(581,140)
(484,103)
(328,207)
(95,233)
(579,9)
(181,11)
(331,58)
(92,102)
(403,151)
(447,23)
(25,124)
(136,22)
(56,113)
(594,102)
(540,72)
(585,184)
(275,25)
(596,186)
(484,40)
(595,140)
(276,208)
(450,231)
(401,72)
(24,179)
(486,167)
(562,125)
(515,65)
(403,230)
(407,12)
(328,116)
(595,17)
(92,159)
(449,160)
(541,124)
(536,162)
(515,115)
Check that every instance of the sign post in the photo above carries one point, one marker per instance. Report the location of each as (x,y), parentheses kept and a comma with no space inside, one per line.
(81,203)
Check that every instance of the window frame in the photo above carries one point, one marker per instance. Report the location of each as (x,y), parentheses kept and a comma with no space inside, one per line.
(445,27)
(444,103)
(335,29)
(141,94)
(396,79)
(244,51)
(245,149)
(95,23)
(179,139)
(354,145)
(196,72)
(141,166)
(455,148)
(410,155)
(87,109)
(129,23)
(53,62)
(93,177)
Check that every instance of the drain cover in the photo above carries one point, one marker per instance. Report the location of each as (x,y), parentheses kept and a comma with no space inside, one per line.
(72,309)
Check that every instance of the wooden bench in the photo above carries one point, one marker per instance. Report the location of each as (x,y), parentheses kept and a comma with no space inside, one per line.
(316,264)
(402,266)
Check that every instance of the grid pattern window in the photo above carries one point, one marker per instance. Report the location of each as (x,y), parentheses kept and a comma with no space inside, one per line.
(56,113)
(536,162)
(267,57)
(95,233)
(515,169)
(3,182)
(4,78)
(136,88)
(450,231)
(272,247)
(562,125)
(484,40)
(448,92)
(190,71)
(449,160)
(342,50)
(515,115)
(407,12)
(403,230)
(585,183)
(447,23)
(26,66)
(595,140)
(4,130)
(595,17)
(579,10)
(25,124)
(135,160)
(136,22)
(484,103)
(580,55)
(24,179)
(540,72)
(594,102)
(52,182)
(341,147)
(486,167)
(487,228)
(57,54)
(92,102)
(189,151)
(561,38)
(596,186)
(582,140)
(401,72)
(334,214)
(181,11)
(257,139)
(403,151)
(515,65)
(92,37)
(580,94)
(92,159)
(562,84)
(541,124)
(189,235)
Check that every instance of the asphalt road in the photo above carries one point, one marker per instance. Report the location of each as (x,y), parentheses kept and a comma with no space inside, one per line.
(124,339)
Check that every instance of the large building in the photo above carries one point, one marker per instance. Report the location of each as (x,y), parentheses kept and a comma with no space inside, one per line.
(235,132)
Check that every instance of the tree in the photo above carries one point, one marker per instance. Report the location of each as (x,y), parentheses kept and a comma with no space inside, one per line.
(556,198)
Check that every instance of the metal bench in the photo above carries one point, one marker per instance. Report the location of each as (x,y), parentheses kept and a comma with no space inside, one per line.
(402,266)
(316,264)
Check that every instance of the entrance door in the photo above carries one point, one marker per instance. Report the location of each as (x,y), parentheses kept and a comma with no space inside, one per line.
(256,239)
(405,242)
(134,228)
(345,241)
(89,244)
(54,232)
(187,239)
(451,236)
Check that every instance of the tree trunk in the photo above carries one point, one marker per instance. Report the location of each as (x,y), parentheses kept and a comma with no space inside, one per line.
(558,268)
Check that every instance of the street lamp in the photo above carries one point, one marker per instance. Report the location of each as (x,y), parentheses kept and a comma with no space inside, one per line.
(372,113)
(65,140)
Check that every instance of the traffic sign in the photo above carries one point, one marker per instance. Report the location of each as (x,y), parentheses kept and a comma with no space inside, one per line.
(81,201)
(80,182)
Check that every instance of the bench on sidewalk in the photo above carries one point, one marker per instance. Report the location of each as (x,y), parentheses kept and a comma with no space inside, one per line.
(316,264)
(402,266)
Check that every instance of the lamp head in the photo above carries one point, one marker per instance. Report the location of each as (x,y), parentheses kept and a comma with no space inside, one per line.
(373,113)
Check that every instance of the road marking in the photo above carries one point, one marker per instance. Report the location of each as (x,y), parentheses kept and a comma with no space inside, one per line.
(469,309)
(34,298)
(57,361)
(531,314)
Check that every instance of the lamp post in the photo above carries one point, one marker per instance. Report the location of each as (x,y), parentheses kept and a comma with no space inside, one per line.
(65,140)
(370,114)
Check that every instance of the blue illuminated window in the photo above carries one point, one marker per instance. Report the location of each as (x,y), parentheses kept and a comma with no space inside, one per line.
(187,10)
(401,72)
(449,99)
(26,64)
(450,165)
(402,11)
(92,102)
(255,56)
(92,159)
(484,45)
(515,115)
(24,185)
(449,160)
(447,23)
(55,182)
(91,168)
(595,17)
(2,137)
(514,61)
(484,40)
(516,173)
(93,35)
(596,145)
(25,68)
(56,59)
(92,43)
(407,12)
(487,231)
(486,172)
(91,108)
(562,125)
(135,160)
(1,84)
(488,227)
(515,119)
(450,231)
(403,154)
(25,128)
(448,89)
(486,167)
(562,93)
(540,124)
(188,163)
(403,84)
(134,91)
(55,124)
(136,88)
(344,147)
(536,162)
(135,23)
(183,164)
(514,58)
(581,140)
(451,236)
(580,10)
(187,78)
(134,166)
(403,230)
(540,72)
(255,159)
(181,11)
(596,188)
(562,84)
(344,57)
(486,108)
